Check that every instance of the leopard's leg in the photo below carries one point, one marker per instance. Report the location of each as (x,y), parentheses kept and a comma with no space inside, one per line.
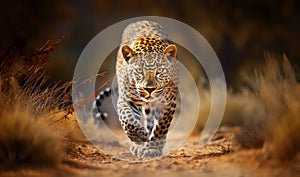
(147,114)
(157,139)
(131,124)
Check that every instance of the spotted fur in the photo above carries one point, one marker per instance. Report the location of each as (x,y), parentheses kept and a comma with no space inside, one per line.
(147,75)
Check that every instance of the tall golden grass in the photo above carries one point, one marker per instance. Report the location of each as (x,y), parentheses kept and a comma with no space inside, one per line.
(267,109)
(277,122)
(25,141)
(26,99)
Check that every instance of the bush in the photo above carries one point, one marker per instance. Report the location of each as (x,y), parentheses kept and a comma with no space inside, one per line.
(26,99)
(277,123)
(25,141)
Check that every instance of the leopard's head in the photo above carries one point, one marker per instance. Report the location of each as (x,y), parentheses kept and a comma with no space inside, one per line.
(150,71)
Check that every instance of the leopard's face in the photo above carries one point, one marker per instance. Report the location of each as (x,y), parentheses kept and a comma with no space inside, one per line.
(151,73)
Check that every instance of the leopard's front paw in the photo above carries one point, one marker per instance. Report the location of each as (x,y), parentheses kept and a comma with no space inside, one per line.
(147,152)
(135,148)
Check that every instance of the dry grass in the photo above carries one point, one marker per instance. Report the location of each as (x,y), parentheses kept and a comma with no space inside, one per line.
(239,106)
(277,124)
(283,140)
(26,142)
(27,99)
(252,133)
(267,108)
(23,81)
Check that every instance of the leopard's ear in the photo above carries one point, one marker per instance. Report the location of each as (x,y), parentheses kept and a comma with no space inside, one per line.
(127,52)
(171,50)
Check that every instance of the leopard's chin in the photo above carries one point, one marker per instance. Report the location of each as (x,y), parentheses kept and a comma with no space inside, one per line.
(149,99)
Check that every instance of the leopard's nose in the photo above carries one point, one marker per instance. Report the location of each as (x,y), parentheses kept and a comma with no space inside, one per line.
(150,85)
(150,89)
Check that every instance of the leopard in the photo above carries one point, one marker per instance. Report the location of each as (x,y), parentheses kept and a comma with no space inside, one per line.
(148,78)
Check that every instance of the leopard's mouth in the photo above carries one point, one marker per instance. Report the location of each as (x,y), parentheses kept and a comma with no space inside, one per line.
(154,95)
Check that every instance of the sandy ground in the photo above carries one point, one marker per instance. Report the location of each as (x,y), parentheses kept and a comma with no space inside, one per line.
(221,157)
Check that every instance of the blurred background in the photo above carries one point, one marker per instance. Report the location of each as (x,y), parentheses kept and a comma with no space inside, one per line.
(239,31)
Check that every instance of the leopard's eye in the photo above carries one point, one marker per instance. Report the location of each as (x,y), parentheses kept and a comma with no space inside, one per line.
(139,70)
(160,70)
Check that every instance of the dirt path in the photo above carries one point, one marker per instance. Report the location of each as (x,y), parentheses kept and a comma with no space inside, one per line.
(220,157)
(190,160)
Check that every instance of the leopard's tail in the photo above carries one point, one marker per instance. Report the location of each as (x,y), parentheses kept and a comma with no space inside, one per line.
(98,114)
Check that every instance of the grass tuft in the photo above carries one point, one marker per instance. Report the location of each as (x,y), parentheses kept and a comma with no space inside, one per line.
(23,81)
(27,99)
(277,121)
(26,142)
